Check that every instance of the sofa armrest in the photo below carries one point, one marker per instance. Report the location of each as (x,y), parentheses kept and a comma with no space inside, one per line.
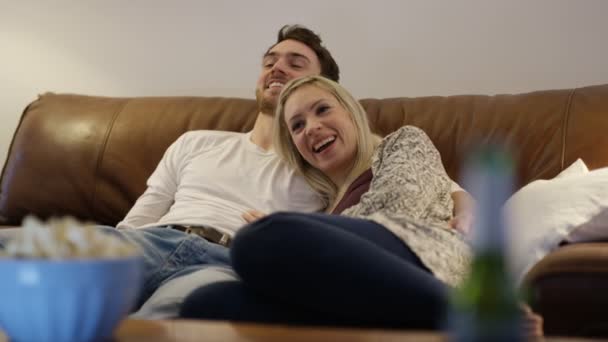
(568,288)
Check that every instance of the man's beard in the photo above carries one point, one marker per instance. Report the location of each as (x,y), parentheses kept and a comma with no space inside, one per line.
(265,105)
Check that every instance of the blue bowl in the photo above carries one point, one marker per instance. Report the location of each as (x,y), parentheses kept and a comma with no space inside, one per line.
(67,300)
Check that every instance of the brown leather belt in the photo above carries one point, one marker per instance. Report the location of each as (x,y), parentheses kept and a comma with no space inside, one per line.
(207,233)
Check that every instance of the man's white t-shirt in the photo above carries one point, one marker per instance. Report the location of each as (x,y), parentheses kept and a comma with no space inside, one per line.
(210,178)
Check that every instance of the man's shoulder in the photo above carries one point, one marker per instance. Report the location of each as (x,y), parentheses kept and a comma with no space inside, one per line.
(210,134)
(208,138)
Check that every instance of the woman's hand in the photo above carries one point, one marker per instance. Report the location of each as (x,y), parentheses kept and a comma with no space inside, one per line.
(252,215)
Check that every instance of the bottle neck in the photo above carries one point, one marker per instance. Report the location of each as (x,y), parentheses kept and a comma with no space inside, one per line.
(491,184)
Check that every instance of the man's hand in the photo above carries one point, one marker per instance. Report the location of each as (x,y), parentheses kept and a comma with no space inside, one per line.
(464,208)
(252,215)
(462,222)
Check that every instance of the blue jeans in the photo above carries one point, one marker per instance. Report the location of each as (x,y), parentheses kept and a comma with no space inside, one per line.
(170,253)
(323,270)
(167,253)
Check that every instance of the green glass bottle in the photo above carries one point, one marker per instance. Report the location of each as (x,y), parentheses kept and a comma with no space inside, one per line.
(485,307)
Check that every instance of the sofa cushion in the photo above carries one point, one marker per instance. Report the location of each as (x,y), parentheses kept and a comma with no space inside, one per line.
(90,156)
(544,213)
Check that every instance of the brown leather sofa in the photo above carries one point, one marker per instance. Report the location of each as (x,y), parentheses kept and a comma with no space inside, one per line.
(90,157)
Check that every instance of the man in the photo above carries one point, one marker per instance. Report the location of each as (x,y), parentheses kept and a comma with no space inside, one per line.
(207,179)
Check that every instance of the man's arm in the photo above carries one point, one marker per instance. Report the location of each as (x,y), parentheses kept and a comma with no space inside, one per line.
(156,201)
(148,208)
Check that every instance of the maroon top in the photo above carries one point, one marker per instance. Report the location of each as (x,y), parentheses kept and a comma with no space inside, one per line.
(354,192)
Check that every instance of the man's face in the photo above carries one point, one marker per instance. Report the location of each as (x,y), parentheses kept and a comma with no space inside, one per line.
(285,61)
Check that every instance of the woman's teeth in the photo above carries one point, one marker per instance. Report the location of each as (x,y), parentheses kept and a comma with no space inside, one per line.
(323,143)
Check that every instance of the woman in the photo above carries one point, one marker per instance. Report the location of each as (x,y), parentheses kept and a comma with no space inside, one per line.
(388,260)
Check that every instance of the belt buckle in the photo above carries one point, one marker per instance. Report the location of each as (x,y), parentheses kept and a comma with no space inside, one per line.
(224,240)
(209,234)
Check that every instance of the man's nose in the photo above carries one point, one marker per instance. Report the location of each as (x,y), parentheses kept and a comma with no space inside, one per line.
(279,66)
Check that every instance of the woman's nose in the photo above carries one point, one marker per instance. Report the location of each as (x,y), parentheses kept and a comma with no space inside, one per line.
(313,127)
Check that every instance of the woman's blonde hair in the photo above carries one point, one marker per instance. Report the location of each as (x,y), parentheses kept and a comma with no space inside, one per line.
(286,149)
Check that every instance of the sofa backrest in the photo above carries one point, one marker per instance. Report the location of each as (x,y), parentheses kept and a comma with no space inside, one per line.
(90,156)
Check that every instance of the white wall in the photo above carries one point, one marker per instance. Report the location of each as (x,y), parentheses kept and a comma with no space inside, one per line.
(384,48)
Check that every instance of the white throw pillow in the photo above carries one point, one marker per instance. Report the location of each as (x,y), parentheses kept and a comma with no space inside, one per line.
(575,169)
(595,229)
(545,212)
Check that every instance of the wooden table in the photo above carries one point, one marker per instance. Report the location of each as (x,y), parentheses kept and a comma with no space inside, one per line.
(211,331)
(208,331)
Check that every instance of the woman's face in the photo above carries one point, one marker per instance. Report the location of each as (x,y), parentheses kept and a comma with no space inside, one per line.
(322,130)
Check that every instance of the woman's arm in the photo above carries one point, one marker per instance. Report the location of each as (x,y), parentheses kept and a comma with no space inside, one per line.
(408,178)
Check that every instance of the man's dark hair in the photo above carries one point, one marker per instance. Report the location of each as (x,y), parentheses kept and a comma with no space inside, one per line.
(329,67)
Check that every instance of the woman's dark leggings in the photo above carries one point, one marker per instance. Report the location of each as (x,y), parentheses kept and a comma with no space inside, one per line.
(323,270)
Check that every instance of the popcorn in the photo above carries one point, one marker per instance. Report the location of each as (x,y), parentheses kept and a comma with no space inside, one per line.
(64,238)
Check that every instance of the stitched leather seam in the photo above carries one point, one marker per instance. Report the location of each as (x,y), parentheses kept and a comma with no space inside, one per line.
(102,153)
(565,130)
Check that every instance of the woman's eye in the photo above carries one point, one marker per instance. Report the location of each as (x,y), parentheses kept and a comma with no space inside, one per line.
(322,109)
(296,126)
